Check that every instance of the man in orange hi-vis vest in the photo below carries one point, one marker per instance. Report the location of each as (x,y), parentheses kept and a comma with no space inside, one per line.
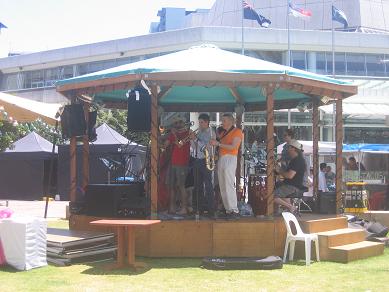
(228,144)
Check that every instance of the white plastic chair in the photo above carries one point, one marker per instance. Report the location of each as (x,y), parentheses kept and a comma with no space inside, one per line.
(291,239)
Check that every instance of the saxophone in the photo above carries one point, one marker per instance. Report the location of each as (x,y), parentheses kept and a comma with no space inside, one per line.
(209,159)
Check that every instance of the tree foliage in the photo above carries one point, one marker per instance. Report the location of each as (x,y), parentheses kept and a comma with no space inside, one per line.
(117,119)
(8,134)
(11,131)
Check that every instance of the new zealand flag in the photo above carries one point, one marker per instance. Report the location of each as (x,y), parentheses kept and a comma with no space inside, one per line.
(250,13)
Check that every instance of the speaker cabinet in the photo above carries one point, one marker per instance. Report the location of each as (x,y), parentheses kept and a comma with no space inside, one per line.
(139,110)
(327,203)
(117,200)
(92,118)
(73,122)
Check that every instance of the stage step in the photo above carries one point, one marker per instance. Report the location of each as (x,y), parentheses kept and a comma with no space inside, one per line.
(338,237)
(355,251)
(337,242)
(322,225)
(341,237)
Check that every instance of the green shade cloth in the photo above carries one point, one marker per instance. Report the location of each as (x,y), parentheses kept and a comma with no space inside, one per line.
(208,59)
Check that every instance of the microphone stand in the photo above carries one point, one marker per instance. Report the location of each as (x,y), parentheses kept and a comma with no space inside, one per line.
(244,174)
(195,181)
(48,187)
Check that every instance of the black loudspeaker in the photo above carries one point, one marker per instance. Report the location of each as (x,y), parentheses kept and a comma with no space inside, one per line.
(73,122)
(92,117)
(327,203)
(117,200)
(139,110)
(377,229)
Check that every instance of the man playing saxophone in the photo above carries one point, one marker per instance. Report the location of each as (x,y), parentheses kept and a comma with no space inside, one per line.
(202,153)
(227,163)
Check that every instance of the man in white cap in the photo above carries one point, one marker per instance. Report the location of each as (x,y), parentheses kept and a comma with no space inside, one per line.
(292,186)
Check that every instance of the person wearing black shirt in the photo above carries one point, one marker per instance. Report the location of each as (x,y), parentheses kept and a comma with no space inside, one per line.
(294,176)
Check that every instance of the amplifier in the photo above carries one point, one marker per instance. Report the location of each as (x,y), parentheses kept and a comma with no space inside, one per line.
(117,200)
(327,203)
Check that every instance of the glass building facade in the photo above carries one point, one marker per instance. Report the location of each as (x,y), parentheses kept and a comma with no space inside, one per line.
(346,64)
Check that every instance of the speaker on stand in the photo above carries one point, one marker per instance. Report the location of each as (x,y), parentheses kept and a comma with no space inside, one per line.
(139,110)
(92,118)
(73,122)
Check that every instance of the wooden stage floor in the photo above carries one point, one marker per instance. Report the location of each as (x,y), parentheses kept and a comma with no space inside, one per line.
(246,237)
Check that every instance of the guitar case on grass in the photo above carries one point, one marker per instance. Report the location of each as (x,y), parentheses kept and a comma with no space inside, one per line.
(268,263)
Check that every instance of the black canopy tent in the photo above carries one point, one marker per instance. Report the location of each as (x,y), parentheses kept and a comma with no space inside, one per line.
(111,156)
(24,168)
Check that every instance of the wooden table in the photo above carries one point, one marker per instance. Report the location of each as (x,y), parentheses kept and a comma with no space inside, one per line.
(121,227)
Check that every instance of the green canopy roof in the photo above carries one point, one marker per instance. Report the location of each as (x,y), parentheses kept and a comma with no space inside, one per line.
(206,75)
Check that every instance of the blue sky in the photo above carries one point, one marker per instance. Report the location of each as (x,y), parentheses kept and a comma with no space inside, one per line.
(35,25)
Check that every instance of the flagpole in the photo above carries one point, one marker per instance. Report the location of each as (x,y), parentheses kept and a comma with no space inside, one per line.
(241,5)
(288,61)
(333,71)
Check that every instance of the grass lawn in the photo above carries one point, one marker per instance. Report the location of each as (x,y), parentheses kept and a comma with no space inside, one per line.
(186,275)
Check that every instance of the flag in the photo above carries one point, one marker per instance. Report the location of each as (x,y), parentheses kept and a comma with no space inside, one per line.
(299,12)
(250,13)
(339,16)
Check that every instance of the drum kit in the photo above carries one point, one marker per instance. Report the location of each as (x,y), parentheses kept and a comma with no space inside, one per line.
(257,190)
(255,169)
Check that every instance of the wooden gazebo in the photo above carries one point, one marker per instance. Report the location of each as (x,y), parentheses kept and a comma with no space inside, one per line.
(206,78)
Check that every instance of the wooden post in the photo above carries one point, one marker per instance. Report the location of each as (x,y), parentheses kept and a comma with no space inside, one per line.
(73,169)
(239,157)
(269,91)
(339,158)
(85,151)
(73,164)
(315,151)
(154,152)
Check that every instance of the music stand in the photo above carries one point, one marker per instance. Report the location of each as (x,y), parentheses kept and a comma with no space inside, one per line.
(110,164)
(127,155)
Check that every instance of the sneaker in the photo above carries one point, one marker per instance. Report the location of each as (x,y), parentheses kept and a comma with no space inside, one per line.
(233,216)
(236,215)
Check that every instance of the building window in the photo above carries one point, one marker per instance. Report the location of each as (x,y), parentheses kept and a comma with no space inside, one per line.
(82,69)
(366,135)
(299,60)
(65,72)
(340,63)
(356,64)
(37,79)
(101,65)
(321,64)
(51,76)
(375,65)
